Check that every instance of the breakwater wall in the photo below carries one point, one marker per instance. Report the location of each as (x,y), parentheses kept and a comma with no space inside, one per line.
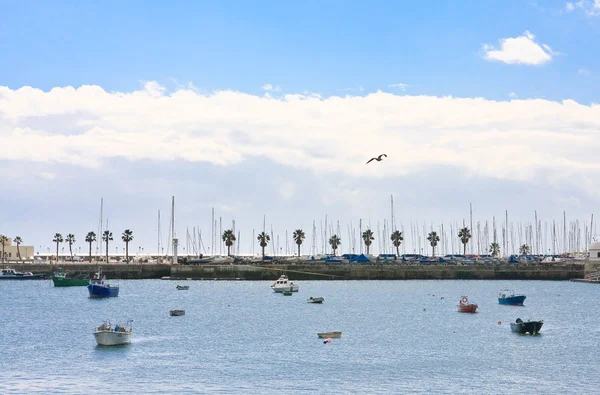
(379,272)
(319,272)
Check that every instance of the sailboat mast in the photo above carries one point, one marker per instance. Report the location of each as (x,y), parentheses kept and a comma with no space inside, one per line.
(173,230)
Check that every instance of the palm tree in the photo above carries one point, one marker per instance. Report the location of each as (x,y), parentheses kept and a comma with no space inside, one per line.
(524,249)
(335,242)
(228,238)
(397,240)
(464,234)
(18,241)
(433,240)
(299,238)
(106,237)
(127,238)
(263,239)
(70,239)
(90,238)
(368,238)
(57,239)
(3,241)
(495,248)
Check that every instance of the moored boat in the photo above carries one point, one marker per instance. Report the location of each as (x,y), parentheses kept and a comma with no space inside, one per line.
(182,287)
(107,335)
(99,288)
(508,297)
(332,335)
(465,307)
(529,327)
(315,300)
(176,313)
(61,278)
(12,274)
(283,284)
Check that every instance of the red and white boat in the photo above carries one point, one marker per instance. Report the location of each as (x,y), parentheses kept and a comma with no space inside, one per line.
(465,307)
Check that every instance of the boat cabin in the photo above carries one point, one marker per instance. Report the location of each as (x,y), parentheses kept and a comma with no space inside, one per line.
(9,272)
(283,280)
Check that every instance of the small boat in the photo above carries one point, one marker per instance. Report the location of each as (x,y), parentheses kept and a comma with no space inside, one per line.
(182,287)
(287,293)
(12,274)
(531,327)
(107,335)
(332,335)
(176,313)
(315,300)
(508,297)
(465,307)
(98,288)
(165,278)
(283,284)
(61,278)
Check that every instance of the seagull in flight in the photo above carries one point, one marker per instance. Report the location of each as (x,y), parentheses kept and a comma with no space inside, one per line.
(378,159)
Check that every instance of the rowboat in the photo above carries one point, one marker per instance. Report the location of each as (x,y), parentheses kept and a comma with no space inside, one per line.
(332,335)
(522,327)
(176,313)
(465,307)
(315,300)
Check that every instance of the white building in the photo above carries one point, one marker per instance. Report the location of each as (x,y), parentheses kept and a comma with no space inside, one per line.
(11,252)
(595,251)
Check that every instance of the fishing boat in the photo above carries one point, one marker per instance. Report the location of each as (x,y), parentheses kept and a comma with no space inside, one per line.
(99,288)
(61,278)
(176,313)
(529,327)
(332,335)
(12,274)
(465,307)
(509,297)
(182,287)
(315,300)
(283,284)
(107,335)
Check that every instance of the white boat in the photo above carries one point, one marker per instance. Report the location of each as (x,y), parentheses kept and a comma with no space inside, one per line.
(315,300)
(109,335)
(283,284)
(332,335)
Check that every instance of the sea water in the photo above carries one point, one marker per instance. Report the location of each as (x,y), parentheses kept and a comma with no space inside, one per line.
(238,337)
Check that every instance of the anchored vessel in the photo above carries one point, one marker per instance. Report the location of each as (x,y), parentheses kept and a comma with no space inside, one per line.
(522,327)
(61,278)
(99,288)
(108,335)
(283,284)
(465,307)
(315,300)
(509,297)
(12,274)
(332,335)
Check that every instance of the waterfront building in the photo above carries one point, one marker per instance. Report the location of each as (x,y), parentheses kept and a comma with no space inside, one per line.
(595,251)
(11,254)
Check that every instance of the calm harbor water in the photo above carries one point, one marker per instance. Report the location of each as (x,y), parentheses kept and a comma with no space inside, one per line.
(240,337)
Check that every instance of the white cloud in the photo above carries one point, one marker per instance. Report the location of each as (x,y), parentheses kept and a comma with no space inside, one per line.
(584,72)
(523,49)
(589,7)
(400,86)
(569,7)
(269,87)
(333,135)
(512,95)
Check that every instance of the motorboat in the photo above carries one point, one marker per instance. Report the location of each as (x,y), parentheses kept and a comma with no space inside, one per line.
(332,335)
(61,278)
(283,284)
(315,300)
(99,288)
(165,278)
(465,307)
(508,297)
(108,335)
(529,327)
(12,274)
(182,287)
(176,313)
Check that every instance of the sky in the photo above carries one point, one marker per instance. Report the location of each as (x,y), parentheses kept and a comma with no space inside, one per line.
(268,111)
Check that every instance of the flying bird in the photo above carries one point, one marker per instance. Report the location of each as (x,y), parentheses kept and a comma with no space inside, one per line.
(378,159)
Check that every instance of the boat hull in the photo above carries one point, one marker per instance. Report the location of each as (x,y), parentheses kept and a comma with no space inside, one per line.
(467,308)
(293,288)
(69,282)
(101,291)
(332,335)
(530,327)
(315,300)
(106,338)
(516,300)
(24,277)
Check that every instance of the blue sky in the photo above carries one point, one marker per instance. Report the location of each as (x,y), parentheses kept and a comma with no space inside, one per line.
(318,46)
(272,108)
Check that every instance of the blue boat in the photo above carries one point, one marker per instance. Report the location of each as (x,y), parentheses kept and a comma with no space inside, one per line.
(98,288)
(508,297)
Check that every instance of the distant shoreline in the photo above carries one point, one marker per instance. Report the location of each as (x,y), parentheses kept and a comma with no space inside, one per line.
(565,271)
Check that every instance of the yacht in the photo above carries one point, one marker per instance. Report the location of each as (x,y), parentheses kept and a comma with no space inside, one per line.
(283,284)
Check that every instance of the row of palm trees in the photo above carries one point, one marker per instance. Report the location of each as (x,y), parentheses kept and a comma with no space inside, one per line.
(368,237)
(4,241)
(90,238)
